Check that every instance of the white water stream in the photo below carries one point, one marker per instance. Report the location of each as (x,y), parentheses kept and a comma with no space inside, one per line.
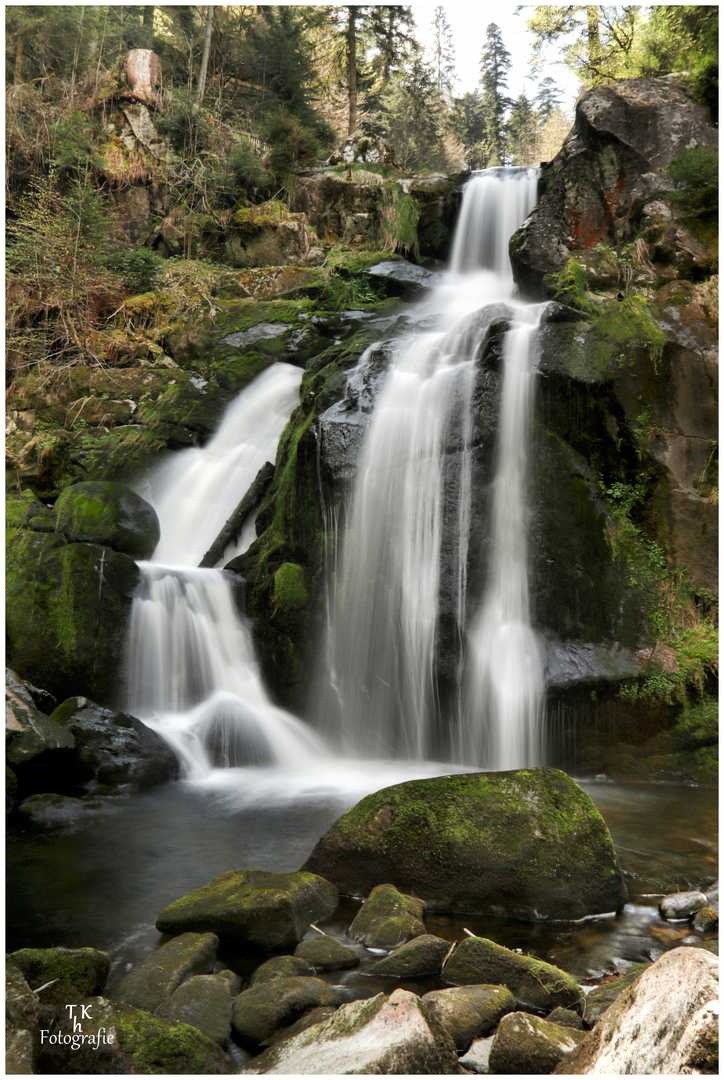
(384,633)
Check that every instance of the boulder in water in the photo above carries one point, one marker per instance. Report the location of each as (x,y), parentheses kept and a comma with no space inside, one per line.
(151,985)
(325,953)
(422,956)
(381,1036)
(682,905)
(253,907)
(388,919)
(535,983)
(281,967)
(204,1001)
(73,973)
(527,844)
(111,514)
(113,749)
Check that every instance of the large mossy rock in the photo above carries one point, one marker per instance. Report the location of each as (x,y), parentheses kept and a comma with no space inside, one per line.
(469,1012)
(421,957)
(253,907)
(109,514)
(388,919)
(68,608)
(527,844)
(381,1036)
(667,1021)
(526,1045)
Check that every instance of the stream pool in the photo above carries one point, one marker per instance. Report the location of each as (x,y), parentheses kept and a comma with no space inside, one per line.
(101,879)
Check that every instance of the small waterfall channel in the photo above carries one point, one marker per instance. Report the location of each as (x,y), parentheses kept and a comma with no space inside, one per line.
(191,670)
(403,593)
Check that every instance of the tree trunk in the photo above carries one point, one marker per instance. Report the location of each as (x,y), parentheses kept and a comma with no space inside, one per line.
(205,55)
(18,70)
(352,69)
(594,39)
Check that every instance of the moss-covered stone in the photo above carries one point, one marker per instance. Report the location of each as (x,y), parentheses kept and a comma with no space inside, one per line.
(74,973)
(254,907)
(419,958)
(204,1002)
(280,967)
(151,985)
(109,514)
(68,610)
(262,1010)
(534,983)
(388,919)
(526,844)
(325,953)
(600,998)
(527,1045)
(469,1012)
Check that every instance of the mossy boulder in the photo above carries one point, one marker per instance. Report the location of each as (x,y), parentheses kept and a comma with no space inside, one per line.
(525,1045)
(130,1041)
(262,1010)
(281,967)
(325,953)
(469,1012)
(381,1036)
(535,983)
(74,973)
(388,919)
(204,1002)
(110,514)
(151,985)
(421,957)
(601,997)
(68,608)
(253,907)
(527,844)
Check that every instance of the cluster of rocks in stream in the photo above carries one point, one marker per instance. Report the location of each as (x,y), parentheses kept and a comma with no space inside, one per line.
(245,979)
(495,1011)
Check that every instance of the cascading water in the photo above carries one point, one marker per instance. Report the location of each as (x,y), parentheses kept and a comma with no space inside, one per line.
(409,524)
(191,672)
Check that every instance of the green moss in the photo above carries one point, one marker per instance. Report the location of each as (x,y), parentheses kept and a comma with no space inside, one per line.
(626,329)
(290,592)
(568,287)
(158,1047)
(74,972)
(399,214)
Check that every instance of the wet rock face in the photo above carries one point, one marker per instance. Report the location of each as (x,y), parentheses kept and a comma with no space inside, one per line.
(610,167)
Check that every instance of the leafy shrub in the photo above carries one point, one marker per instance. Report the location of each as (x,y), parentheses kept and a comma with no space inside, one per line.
(245,175)
(293,146)
(696,175)
(139,270)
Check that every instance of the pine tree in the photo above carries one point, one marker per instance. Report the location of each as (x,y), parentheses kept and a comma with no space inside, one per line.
(522,133)
(468,124)
(443,53)
(494,68)
(548,98)
(391,28)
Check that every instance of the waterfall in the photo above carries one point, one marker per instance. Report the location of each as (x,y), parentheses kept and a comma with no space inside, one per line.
(192,674)
(409,525)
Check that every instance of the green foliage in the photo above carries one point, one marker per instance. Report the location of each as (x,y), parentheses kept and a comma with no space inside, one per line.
(568,287)
(293,146)
(627,328)
(140,271)
(189,127)
(244,174)
(399,215)
(696,175)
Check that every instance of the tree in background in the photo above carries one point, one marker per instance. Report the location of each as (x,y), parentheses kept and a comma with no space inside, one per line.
(468,125)
(522,133)
(443,53)
(548,99)
(684,39)
(391,27)
(494,68)
(597,42)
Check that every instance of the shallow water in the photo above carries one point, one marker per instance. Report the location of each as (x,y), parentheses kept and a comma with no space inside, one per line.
(103,880)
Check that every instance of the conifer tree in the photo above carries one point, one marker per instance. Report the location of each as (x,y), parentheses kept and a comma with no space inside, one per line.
(494,68)
(443,53)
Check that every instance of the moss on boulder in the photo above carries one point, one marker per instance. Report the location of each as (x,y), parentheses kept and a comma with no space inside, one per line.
(253,907)
(534,983)
(388,919)
(527,844)
(74,973)
(110,514)
(527,1045)
(262,1010)
(469,1012)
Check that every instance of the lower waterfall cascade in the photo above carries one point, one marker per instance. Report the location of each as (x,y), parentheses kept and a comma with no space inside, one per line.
(191,670)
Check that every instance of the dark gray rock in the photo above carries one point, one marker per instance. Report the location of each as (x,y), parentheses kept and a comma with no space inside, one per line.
(28,731)
(280,967)
(683,905)
(204,1001)
(113,750)
(600,999)
(22,1012)
(706,920)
